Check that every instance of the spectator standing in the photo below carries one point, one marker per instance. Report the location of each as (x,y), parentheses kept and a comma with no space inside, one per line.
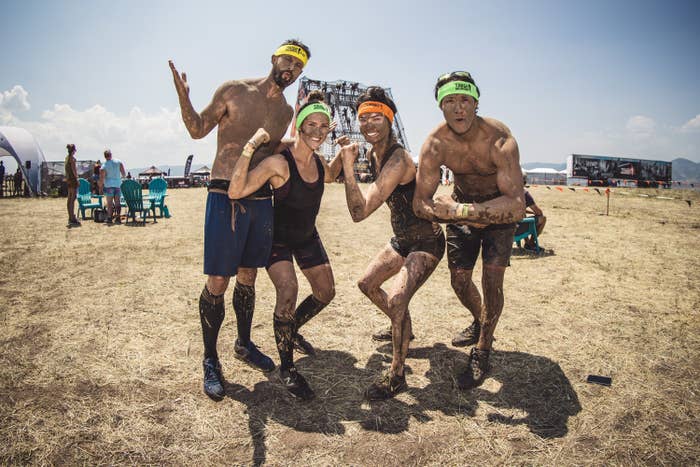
(110,183)
(72,182)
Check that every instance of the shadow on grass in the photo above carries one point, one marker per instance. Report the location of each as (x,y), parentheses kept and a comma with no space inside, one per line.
(532,384)
(529,383)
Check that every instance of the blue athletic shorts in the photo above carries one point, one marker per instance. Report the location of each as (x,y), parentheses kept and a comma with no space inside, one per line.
(112,191)
(249,246)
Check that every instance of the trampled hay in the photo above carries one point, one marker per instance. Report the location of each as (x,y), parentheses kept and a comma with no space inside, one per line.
(100,353)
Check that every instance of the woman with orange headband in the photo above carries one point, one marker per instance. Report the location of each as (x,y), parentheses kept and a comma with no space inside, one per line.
(297,176)
(417,246)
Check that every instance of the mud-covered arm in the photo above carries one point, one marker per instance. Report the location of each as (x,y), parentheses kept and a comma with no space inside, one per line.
(505,209)
(198,125)
(361,207)
(427,180)
(334,167)
(243,182)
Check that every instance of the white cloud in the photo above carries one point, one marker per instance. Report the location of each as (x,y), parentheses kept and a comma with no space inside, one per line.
(641,126)
(14,100)
(139,139)
(691,125)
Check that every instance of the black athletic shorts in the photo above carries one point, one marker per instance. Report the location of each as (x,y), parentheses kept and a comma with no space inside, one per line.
(309,254)
(464,243)
(433,244)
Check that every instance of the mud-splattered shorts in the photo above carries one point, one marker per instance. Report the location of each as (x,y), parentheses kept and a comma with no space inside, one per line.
(307,255)
(464,243)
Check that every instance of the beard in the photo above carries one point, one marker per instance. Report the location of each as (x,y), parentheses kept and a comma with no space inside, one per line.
(279,79)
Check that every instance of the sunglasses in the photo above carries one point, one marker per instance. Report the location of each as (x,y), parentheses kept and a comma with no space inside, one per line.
(456,74)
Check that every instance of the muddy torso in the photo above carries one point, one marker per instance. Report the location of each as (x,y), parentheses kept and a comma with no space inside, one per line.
(404,221)
(247,109)
(472,161)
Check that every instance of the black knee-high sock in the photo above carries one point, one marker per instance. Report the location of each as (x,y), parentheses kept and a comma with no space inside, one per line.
(211,315)
(244,305)
(284,330)
(307,309)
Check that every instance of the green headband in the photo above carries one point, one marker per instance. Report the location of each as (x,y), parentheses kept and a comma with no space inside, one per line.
(457,87)
(316,107)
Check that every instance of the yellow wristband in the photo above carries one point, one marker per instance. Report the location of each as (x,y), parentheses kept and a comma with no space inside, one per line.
(463,210)
(248,150)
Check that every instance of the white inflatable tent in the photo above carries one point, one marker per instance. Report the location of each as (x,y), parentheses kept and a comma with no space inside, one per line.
(20,144)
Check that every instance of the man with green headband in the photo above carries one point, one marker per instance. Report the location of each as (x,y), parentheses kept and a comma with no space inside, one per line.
(238,234)
(487,203)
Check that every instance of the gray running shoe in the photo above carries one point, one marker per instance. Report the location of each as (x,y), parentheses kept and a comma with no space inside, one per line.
(387,387)
(296,384)
(477,369)
(213,380)
(302,345)
(385,335)
(253,357)
(469,336)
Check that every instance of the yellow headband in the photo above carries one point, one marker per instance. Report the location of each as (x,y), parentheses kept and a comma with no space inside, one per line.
(376,107)
(294,51)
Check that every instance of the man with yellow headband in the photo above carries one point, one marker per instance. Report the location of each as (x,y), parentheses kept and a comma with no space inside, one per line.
(482,212)
(238,234)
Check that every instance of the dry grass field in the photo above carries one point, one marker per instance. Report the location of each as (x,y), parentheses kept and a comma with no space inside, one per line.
(100,351)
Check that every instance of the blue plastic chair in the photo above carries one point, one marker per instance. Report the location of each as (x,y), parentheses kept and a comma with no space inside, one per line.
(133,195)
(157,188)
(85,198)
(526,228)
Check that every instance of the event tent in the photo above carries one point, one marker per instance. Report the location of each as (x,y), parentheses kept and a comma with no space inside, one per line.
(546,176)
(20,144)
(203,171)
(151,172)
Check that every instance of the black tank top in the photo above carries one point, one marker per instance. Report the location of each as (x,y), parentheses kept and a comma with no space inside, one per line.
(404,221)
(296,204)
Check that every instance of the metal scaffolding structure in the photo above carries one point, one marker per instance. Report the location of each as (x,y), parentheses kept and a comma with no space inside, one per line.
(341,97)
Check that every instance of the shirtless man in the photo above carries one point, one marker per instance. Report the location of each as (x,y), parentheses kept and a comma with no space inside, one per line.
(238,234)
(482,212)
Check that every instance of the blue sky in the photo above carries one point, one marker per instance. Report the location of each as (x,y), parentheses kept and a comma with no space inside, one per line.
(616,78)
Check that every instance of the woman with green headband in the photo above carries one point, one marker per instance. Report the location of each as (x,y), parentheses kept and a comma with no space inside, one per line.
(297,176)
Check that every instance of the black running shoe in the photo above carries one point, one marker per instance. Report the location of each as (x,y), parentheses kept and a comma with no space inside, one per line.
(385,335)
(469,336)
(296,384)
(477,369)
(213,381)
(302,345)
(253,357)
(387,387)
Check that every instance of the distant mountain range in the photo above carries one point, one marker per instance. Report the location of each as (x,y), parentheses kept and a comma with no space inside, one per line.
(683,169)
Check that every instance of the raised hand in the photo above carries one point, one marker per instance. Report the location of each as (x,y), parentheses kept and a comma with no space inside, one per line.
(183,89)
(260,137)
(343,140)
(350,152)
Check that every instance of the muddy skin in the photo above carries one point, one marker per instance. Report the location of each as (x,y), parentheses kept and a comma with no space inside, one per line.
(244,305)
(211,315)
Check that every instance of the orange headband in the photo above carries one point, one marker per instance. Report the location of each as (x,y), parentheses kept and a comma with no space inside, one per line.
(376,107)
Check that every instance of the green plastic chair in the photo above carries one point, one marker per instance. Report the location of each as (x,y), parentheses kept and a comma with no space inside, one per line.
(525,228)
(157,188)
(133,195)
(85,198)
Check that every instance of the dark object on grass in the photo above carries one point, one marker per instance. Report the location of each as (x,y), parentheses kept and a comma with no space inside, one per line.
(602,380)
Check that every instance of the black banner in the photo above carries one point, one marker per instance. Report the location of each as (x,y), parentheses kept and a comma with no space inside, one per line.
(188,164)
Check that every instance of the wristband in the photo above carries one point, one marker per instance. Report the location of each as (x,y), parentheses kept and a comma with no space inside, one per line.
(248,149)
